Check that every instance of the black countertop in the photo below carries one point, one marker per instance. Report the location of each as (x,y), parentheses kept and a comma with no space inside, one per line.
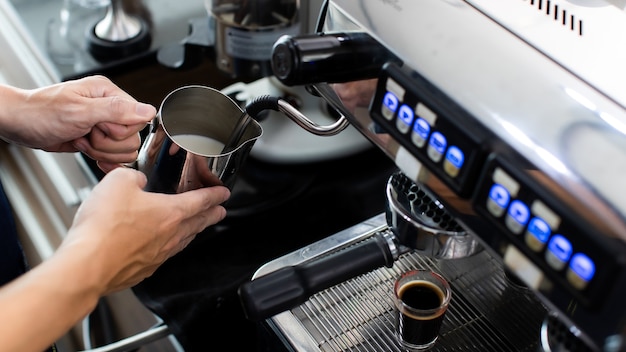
(288,208)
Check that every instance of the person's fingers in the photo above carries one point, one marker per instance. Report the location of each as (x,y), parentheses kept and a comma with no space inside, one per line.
(102,141)
(139,178)
(205,202)
(111,158)
(207,197)
(108,167)
(119,132)
(119,110)
(99,146)
(106,102)
(98,86)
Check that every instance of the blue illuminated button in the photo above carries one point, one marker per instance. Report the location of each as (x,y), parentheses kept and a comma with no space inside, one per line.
(389,106)
(537,234)
(517,217)
(559,252)
(421,130)
(498,200)
(454,161)
(581,271)
(436,146)
(405,118)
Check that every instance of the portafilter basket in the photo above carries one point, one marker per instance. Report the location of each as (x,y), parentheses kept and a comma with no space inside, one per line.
(421,222)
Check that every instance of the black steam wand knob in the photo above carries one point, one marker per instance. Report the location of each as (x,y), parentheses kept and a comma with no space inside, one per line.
(118,34)
(328,58)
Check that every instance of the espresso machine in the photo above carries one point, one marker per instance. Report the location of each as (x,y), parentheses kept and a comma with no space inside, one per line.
(507,122)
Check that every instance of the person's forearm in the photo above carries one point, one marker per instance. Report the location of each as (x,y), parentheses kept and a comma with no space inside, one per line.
(43,304)
(11,99)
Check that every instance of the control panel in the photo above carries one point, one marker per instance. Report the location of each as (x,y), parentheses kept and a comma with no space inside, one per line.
(430,126)
(562,245)
(552,239)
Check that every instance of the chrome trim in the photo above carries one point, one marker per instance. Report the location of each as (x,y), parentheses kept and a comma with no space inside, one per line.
(135,341)
(343,238)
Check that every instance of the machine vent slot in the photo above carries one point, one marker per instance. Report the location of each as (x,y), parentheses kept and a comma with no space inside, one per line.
(559,15)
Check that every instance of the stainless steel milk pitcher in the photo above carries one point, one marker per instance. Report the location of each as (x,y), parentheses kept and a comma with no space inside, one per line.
(190,143)
(184,148)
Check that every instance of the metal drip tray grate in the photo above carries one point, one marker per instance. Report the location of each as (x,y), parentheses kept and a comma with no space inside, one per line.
(487,312)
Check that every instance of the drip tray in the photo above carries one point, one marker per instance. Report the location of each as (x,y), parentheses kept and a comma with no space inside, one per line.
(488,311)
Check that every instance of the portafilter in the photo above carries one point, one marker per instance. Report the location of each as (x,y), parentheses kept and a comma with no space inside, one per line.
(417,222)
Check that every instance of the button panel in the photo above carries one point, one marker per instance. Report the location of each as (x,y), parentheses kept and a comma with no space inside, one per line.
(519,211)
(557,241)
(426,122)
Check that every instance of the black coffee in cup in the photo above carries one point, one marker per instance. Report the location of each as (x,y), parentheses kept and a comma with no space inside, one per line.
(421,299)
(424,296)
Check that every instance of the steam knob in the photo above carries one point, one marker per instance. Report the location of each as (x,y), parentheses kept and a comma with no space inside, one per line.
(118,34)
(328,57)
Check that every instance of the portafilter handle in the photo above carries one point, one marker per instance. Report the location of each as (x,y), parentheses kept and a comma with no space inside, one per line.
(291,286)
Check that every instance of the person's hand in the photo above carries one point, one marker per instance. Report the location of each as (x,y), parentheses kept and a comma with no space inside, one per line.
(125,233)
(91,115)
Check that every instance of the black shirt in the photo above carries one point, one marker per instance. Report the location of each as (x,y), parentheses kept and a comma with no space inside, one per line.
(12,262)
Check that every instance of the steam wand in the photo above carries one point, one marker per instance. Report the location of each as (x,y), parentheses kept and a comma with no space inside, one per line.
(267,102)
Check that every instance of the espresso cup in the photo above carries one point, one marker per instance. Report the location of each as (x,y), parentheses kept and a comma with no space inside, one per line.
(421,299)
